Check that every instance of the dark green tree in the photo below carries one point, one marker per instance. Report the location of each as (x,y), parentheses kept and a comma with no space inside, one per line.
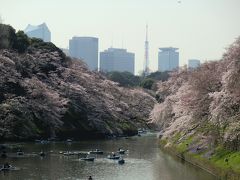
(7,36)
(161,76)
(125,79)
(147,83)
(22,42)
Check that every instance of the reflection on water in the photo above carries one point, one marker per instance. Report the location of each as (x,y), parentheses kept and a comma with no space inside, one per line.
(144,161)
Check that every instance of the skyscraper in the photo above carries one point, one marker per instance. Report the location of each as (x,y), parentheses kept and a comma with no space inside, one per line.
(193,63)
(168,59)
(114,59)
(40,31)
(86,49)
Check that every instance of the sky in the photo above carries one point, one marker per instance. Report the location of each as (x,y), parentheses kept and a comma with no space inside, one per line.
(201,29)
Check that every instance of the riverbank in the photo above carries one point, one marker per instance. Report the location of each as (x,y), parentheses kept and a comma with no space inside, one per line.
(198,112)
(220,162)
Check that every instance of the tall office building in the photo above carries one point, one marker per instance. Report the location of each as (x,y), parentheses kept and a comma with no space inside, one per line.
(40,31)
(86,49)
(193,63)
(114,59)
(168,59)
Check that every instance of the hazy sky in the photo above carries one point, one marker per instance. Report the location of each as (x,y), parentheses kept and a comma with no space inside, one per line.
(201,29)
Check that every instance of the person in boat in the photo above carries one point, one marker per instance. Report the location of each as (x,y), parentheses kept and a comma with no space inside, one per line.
(113,154)
(6,165)
(42,153)
(90,178)
(19,151)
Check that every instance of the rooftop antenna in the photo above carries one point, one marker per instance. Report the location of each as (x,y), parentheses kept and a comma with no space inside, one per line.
(146,55)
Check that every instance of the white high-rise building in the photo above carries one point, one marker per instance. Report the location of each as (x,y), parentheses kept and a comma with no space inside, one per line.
(168,59)
(86,49)
(115,59)
(40,31)
(193,63)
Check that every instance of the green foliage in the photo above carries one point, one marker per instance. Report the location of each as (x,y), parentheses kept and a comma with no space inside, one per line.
(11,40)
(161,76)
(163,142)
(176,137)
(46,46)
(147,83)
(40,44)
(7,36)
(222,161)
(22,42)
(226,159)
(183,146)
(125,79)
(125,126)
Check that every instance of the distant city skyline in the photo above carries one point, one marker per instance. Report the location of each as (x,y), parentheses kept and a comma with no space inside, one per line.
(85,49)
(168,59)
(194,63)
(40,31)
(116,59)
(201,29)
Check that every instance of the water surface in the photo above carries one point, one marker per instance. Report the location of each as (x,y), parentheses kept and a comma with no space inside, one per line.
(144,161)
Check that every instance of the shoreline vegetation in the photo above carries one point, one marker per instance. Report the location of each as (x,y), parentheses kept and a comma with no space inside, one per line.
(217,165)
(198,112)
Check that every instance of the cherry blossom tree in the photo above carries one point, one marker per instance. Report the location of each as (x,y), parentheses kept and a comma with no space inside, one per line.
(208,94)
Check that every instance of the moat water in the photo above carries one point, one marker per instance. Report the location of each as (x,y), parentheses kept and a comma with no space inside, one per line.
(144,160)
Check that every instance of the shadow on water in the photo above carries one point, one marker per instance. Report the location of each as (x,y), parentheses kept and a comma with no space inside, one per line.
(144,161)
